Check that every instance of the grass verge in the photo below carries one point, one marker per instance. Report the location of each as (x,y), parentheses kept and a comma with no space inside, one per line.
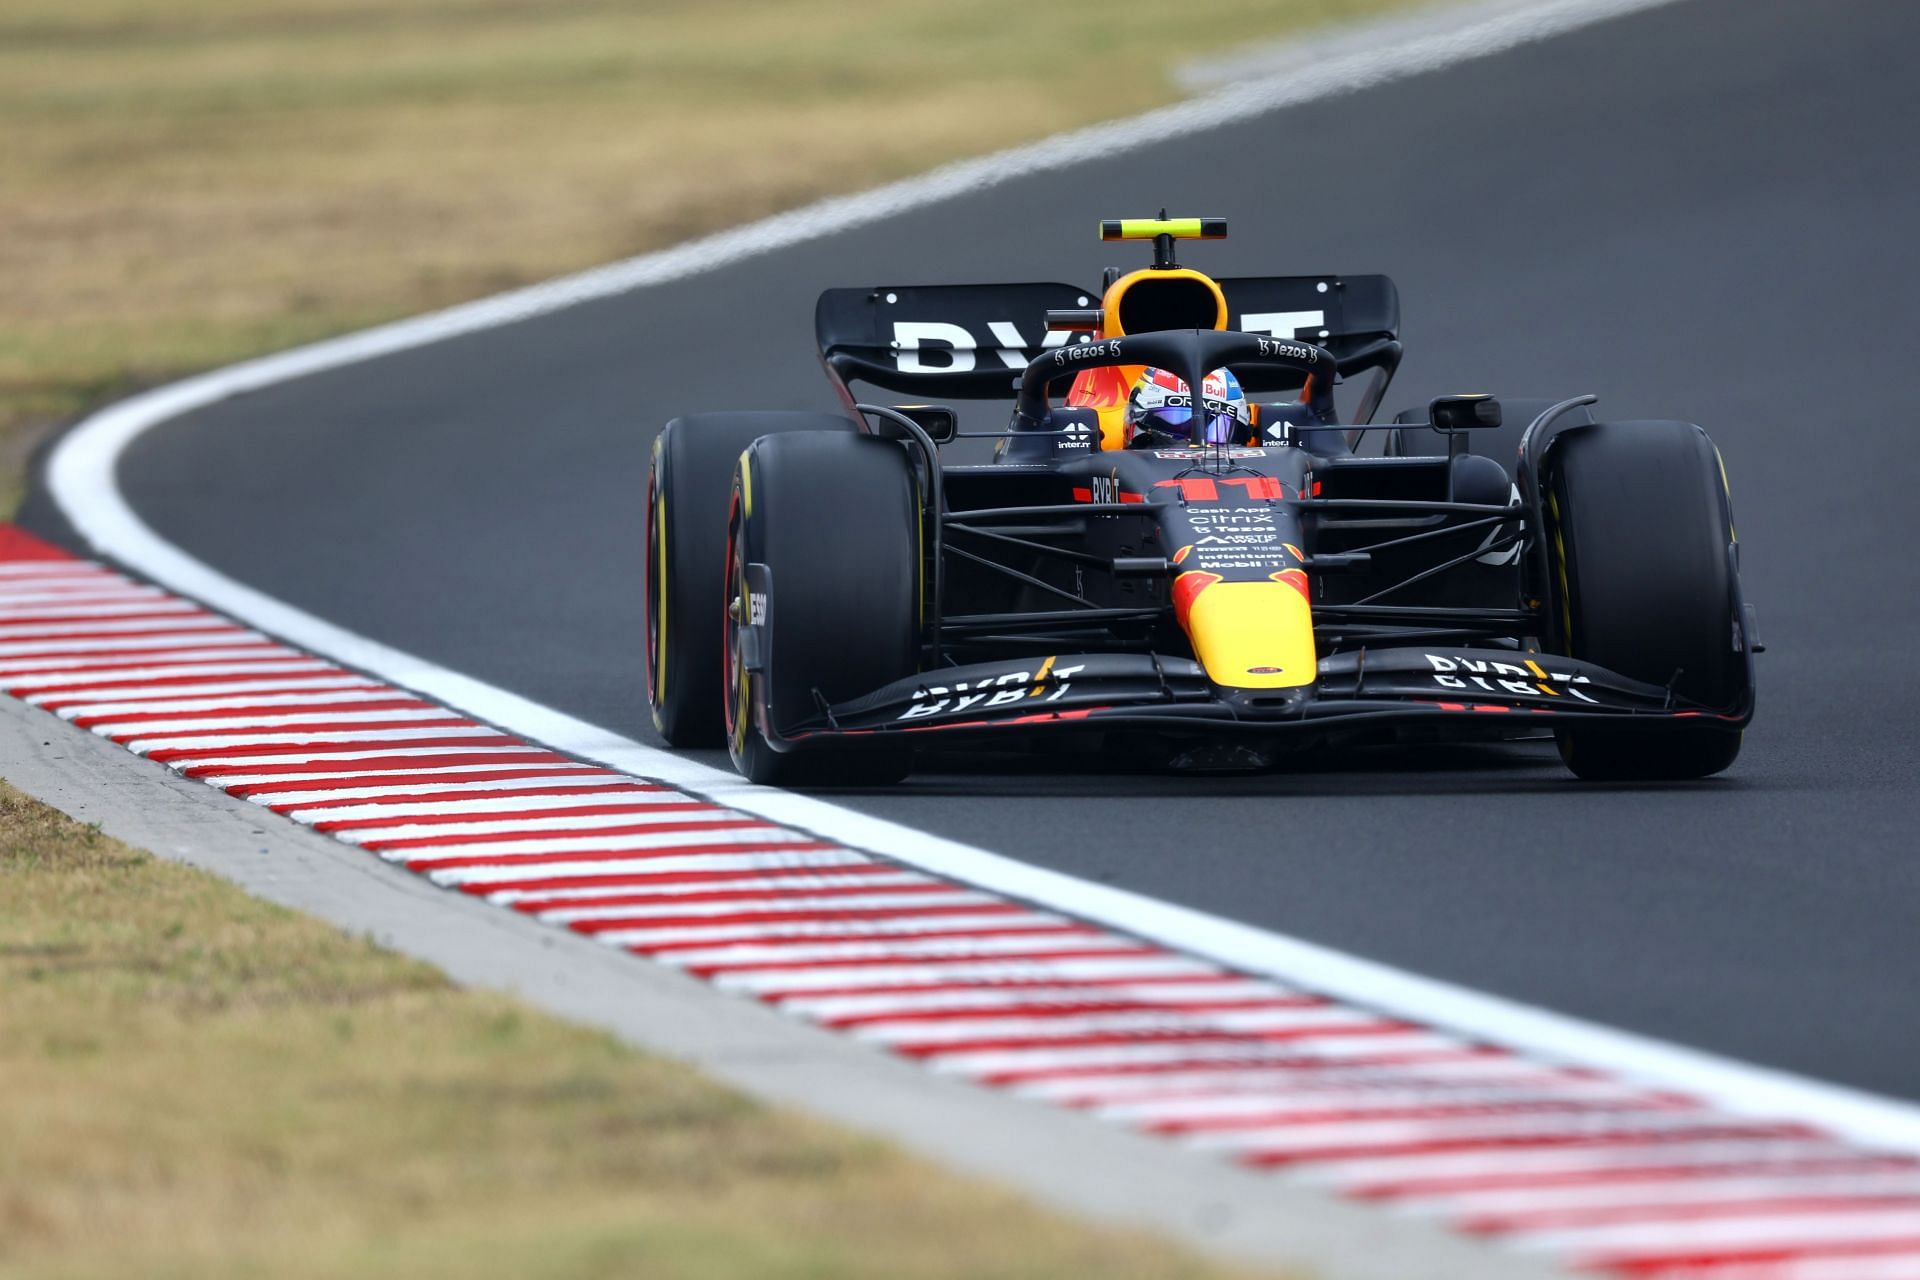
(201,1084)
(183,185)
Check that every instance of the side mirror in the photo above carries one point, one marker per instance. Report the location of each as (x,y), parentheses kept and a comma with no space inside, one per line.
(937,420)
(1450,414)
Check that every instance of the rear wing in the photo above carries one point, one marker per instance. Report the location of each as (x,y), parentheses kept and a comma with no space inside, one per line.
(1357,318)
(970,341)
(944,341)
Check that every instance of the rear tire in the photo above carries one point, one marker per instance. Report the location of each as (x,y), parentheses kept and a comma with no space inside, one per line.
(1639,536)
(836,520)
(687,485)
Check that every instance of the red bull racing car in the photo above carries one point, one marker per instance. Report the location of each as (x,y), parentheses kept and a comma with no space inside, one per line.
(829,593)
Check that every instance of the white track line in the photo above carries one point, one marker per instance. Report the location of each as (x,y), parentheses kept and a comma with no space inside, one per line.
(80,476)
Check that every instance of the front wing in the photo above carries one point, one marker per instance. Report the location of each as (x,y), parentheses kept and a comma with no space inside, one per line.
(1497,692)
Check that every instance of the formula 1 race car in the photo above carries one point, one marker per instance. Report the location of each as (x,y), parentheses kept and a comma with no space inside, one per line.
(826,593)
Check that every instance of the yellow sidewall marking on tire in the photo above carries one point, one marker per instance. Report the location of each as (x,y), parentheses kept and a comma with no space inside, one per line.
(742,702)
(660,593)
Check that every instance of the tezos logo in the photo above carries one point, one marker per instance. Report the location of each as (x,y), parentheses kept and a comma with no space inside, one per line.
(1289,350)
(1085,351)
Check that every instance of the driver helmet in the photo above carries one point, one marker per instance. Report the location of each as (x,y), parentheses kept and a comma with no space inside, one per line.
(1160,408)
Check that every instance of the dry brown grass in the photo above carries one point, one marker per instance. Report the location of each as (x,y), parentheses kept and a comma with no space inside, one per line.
(188,183)
(200,1084)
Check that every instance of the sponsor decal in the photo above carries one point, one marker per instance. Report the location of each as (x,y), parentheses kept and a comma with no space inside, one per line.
(1192,452)
(1085,351)
(757,608)
(1049,684)
(1235,558)
(1284,324)
(1505,677)
(1169,392)
(1237,542)
(1255,551)
(1105,489)
(960,346)
(1228,517)
(1289,350)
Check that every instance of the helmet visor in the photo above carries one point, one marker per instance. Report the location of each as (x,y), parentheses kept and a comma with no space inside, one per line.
(1177,419)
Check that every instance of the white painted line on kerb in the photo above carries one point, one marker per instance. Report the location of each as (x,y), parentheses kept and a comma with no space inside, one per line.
(81,478)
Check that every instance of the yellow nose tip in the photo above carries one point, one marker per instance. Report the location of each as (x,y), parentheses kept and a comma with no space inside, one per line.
(1254,635)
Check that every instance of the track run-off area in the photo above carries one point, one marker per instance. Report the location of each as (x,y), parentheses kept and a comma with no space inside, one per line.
(1700,209)
(1543,1154)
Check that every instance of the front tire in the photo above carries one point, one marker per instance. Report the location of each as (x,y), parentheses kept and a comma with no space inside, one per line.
(1640,537)
(836,519)
(687,485)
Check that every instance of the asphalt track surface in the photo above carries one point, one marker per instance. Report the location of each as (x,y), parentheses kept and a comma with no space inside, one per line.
(1705,211)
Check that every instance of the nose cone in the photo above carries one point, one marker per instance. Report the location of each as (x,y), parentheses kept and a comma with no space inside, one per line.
(1249,635)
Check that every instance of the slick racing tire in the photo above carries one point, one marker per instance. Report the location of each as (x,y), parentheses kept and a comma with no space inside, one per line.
(687,486)
(1640,549)
(836,520)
